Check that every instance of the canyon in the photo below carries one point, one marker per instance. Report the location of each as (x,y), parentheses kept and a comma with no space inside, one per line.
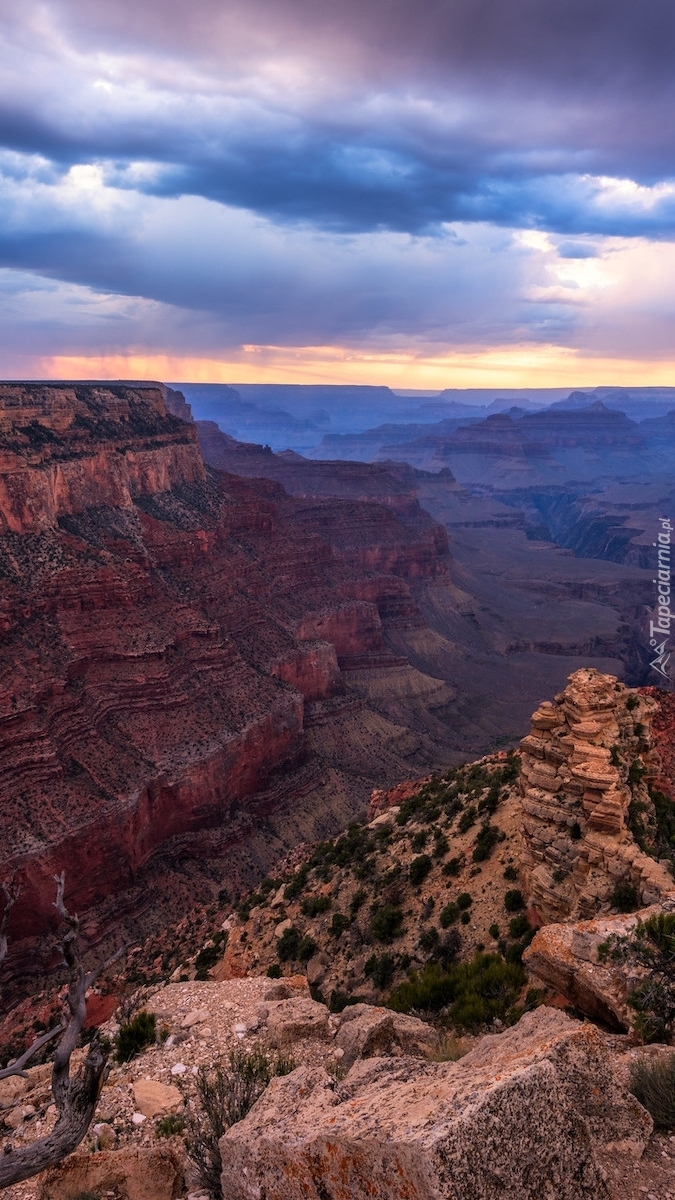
(191,662)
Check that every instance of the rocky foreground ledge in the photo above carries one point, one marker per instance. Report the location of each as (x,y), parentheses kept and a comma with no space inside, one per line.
(371,1112)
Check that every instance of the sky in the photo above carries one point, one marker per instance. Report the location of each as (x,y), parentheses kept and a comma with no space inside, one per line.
(422,193)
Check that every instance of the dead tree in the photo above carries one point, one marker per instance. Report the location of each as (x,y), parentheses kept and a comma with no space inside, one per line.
(76,1096)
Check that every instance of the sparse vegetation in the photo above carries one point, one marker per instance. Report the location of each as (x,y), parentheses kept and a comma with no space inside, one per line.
(226,1092)
(419,869)
(653,1084)
(474,992)
(135,1035)
(513,900)
(170,1125)
(387,922)
(625,898)
(651,947)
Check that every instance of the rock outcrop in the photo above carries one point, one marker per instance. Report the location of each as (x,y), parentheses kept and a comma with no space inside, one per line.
(566,958)
(518,1118)
(586,761)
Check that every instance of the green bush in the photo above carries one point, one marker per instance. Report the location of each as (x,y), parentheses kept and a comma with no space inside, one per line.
(494,931)
(632,702)
(314,905)
(452,867)
(226,1092)
(287,946)
(296,886)
(429,939)
(306,948)
(625,898)
(419,869)
(464,900)
(441,844)
(387,922)
(511,873)
(465,918)
(467,819)
(338,924)
(419,840)
(357,900)
(135,1034)
(476,992)
(513,900)
(339,1000)
(449,914)
(380,968)
(653,1084)
(169,1125)
(274,971)
(518,926)
(209,955)
(485,842)
(651,947)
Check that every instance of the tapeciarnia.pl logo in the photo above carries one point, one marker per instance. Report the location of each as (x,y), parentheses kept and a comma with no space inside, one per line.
(659,629)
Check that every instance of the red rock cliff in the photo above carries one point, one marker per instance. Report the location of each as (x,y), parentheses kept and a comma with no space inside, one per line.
(162,626)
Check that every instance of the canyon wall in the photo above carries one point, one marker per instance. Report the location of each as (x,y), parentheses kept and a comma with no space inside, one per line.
(177,645)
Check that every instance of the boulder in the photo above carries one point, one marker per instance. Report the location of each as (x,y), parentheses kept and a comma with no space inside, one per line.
(317,968)
(154,1099)
(145,1174)
(365,1031)
(290,1021)
(518,1118)
(566,958)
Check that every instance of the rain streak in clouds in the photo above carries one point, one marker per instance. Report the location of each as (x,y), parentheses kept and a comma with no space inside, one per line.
(396,183)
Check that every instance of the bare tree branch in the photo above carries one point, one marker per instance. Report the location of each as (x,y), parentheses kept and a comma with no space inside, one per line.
(17,1067)
(75,1097)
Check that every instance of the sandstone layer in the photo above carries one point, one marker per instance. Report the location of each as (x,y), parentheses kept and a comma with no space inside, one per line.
(585,769)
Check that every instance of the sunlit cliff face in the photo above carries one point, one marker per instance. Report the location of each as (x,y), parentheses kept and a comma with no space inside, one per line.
(418,195)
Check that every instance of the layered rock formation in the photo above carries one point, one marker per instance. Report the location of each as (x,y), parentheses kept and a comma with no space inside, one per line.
(175,641)
(588,758)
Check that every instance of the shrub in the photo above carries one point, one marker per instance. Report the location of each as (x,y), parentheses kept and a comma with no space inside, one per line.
(476,991)
(338,924)
(513,900)
(208,956)
(419,840)
(134,1035)
(575,831)
(387,923)
(464,900)
(449,914)
(297,884)
(653,1084)
(625,897)
(380,968)
(467,819)
(465,918)
(632,702)
(494,931)
(511,873)
(170,1125)
(441,844)
(306,948)
(429,939)
(419,869)
(357,900)
(650,946)
(274,971)
(287,946)
(485,842)
(314,905)
(518,926)
(453,866)
(225,1094)
(339,1000)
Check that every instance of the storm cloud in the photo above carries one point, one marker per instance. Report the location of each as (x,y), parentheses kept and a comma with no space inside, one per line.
(298,172)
